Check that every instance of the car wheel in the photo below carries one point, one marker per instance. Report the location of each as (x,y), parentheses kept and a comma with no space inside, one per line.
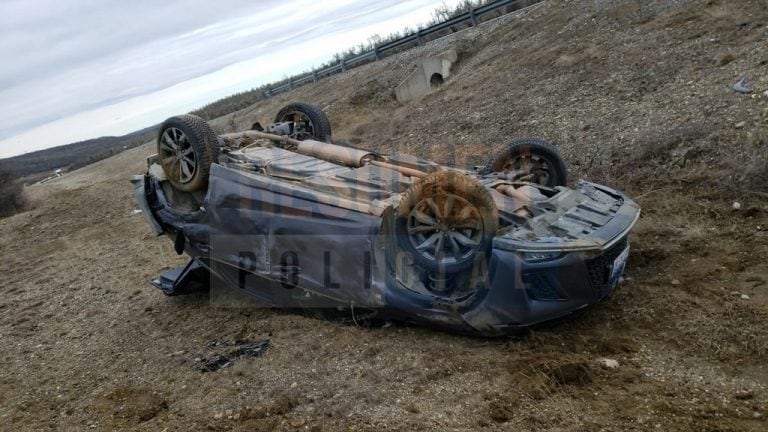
(444,220)
(186,147)
(309,120)
(529,159)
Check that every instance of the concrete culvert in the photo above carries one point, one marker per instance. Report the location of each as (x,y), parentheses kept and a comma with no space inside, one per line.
(430,73)
(436,80)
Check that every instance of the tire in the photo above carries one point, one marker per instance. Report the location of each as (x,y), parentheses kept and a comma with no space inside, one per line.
(186,147)
(532,157)
(316,122)
(453,214)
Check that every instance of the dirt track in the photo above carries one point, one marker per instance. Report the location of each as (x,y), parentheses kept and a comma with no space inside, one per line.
(636,97)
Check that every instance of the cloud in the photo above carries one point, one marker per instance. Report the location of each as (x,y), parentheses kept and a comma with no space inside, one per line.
(79,70)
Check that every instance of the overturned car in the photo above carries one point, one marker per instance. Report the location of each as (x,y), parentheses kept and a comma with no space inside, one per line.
(296,221)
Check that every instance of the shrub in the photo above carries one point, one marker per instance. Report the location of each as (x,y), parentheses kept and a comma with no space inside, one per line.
(11,195)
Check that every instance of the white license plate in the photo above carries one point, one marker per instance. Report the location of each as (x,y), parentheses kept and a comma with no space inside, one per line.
(618,264)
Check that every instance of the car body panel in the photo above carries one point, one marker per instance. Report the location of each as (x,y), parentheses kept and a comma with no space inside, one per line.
(294,231)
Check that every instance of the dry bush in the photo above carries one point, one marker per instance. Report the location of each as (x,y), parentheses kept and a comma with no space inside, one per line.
(629,12)
(652,159)
(755,176)
(11,195)
(588,53)
(373,92)
(736,331)
(669,145)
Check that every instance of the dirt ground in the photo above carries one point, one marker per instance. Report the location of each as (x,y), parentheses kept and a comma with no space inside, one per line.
(635,94)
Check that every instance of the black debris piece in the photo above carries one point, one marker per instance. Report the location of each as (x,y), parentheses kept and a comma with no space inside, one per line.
(193,277)
(215,344)
(241,349)
(215,363)
(249,349)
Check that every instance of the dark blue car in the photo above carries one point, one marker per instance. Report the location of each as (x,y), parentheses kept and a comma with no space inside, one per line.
(297,221)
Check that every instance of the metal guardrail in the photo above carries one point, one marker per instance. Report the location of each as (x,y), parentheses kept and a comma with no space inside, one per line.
(378,52)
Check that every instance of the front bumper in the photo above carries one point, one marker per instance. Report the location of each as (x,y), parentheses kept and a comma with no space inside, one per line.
(517,294)
(521,294)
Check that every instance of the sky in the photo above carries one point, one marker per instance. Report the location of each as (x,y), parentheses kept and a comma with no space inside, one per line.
(77,69)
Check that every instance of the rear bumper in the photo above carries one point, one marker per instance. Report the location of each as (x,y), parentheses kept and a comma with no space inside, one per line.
(140,194)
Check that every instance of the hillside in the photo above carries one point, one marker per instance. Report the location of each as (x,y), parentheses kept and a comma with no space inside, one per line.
(613,83)
(72,156)
(636,95)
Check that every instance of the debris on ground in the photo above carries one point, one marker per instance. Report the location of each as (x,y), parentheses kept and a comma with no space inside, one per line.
(608,363)
(225,360)
(741,86)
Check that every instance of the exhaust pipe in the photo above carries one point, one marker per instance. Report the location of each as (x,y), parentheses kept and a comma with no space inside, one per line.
(351,157)
(348,156)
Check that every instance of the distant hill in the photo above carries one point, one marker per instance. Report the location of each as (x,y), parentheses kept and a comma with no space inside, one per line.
(72,156)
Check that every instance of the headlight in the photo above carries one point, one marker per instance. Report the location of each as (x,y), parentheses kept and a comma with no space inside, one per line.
(540,256)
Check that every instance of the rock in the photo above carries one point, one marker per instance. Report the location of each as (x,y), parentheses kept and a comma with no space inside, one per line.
(608,363)
(740,124)
(218,415)
(675,282)
(765,94)
(744,297)
(736,293)
(736,205)
(294,385)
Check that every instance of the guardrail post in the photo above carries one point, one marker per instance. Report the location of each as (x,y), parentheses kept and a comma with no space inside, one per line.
(343,66)
(377,53)
(418,37)
(314,76)
(472,16)
(290,83)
